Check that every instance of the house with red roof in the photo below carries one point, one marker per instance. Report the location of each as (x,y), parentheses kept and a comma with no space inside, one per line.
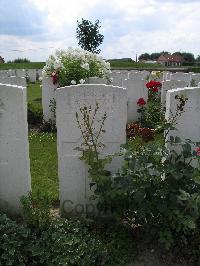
(170,59)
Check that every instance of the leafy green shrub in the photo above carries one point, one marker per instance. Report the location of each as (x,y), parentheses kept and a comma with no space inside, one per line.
(14,242)
(118,240)
(63,242)
(35,115)
(67,242)
(36,209)
(157,188)
(160,194)
(48,126)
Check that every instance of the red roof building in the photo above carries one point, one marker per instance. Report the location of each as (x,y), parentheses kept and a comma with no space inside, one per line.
(170,60)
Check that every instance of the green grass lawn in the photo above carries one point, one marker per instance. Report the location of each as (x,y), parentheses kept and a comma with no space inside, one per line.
(44,165)
(43,154)
(34,95)
(32,65)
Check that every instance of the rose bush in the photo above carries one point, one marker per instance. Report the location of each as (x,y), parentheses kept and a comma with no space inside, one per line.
(75,66)
(150,111)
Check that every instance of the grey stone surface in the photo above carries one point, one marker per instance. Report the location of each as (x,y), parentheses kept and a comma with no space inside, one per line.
(73,177)
(14,148)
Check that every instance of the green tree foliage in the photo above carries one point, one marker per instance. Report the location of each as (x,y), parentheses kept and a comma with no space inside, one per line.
(20,60)
(145,56)
(198,58)
(188,57)
(88,35)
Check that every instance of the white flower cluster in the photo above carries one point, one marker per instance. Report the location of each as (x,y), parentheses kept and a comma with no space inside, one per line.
(86,59)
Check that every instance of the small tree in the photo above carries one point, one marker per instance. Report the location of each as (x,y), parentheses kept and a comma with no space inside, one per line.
(88,35)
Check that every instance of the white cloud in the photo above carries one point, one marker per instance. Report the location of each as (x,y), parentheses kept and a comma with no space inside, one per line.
(129,27)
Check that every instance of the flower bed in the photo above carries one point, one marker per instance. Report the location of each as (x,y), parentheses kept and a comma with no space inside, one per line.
(75,66)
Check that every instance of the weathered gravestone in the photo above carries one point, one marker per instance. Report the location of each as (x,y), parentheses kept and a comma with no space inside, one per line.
(118,78)
(170,85)
(96,80)
(11,72)
(73,177)
(188,124)
(181,76)
(4,73)
(21,73)
(139,75)
(12,80)
(14,149)
(32,75)
(195,79)
(39,74)
(48,98)
(136,88)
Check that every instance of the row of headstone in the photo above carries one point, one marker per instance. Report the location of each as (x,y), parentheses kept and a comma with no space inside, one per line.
(15,179)
(192,79)
(74,185)
(31,74)
(118,77)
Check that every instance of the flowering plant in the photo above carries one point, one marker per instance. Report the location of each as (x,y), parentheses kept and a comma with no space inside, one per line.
(74,66)
(153,85)
(155,75)
(150,111)
(141,102)
(142,108)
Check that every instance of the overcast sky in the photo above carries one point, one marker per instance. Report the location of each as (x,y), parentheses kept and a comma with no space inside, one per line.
(35,28)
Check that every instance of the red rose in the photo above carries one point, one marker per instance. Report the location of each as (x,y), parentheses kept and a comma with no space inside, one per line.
(198,151)
(54,77)
(153,85)
(155,89)
(141,102)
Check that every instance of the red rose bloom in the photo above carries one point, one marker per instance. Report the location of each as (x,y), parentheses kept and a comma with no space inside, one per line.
(198,151)
(54,77)
(153,85)
(155,89)
(141,102)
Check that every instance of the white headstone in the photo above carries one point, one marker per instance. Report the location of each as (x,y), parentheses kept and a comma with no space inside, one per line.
(73,177)
(31,75)
(39,73)
(12,80)
(195,79)
(188,124)
(170,85)
(21,73)
(139,74)
(136,88)
(181,76)
(96,80)
(48,95)
(4,73)
(14,149)
(118,78)
(11,72)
